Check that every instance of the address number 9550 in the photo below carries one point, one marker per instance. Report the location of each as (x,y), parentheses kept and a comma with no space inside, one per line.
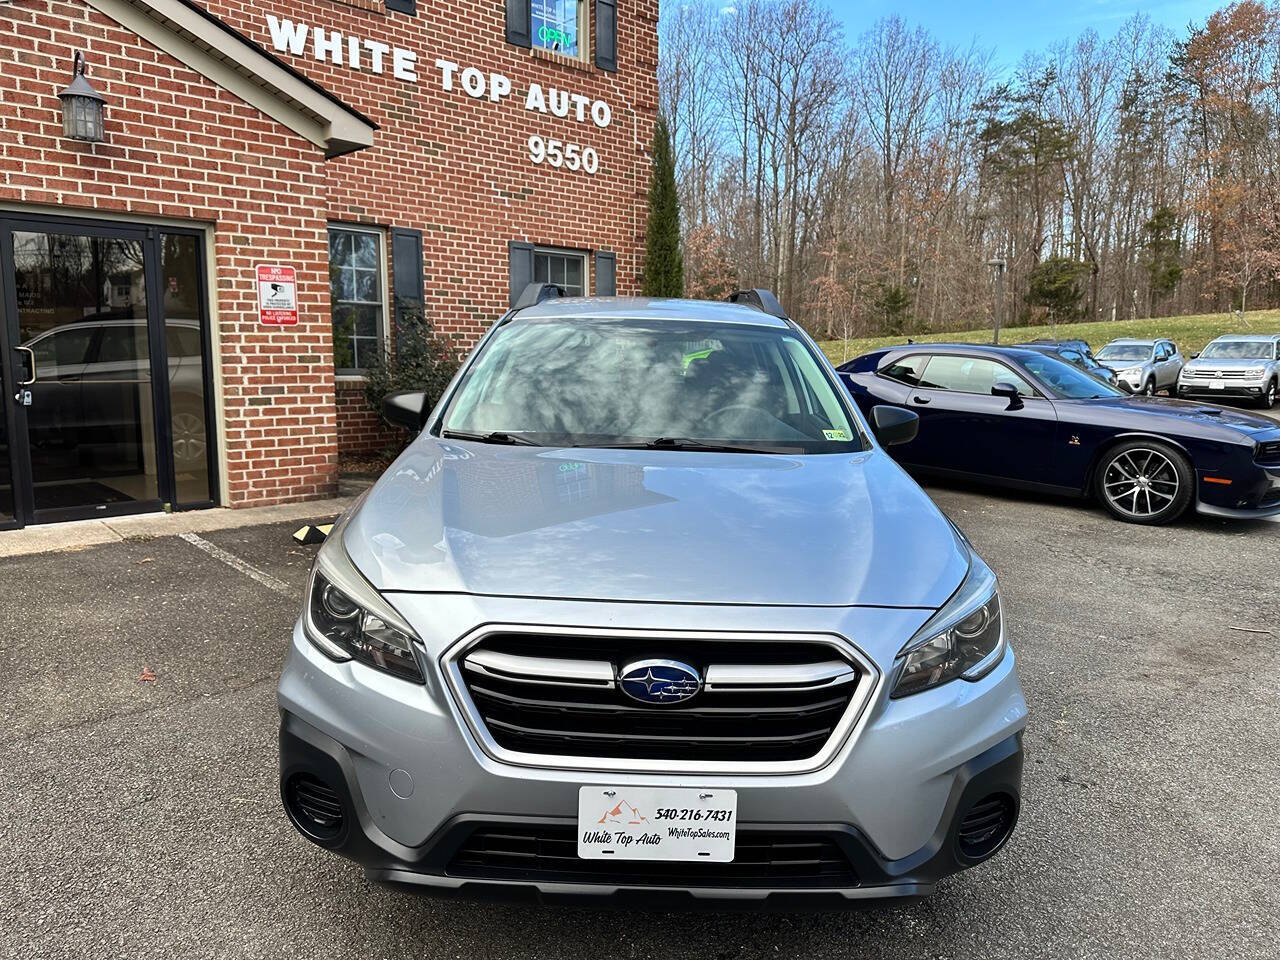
(561,154)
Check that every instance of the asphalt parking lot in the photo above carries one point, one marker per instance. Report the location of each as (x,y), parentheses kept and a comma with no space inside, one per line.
(140,818)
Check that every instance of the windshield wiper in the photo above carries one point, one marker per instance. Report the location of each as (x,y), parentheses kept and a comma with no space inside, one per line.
(684,443)
(496,436)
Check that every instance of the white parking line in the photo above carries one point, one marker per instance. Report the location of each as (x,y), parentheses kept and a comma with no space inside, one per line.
(231,560)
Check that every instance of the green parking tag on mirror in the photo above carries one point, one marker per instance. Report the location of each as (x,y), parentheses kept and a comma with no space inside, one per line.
(835,434)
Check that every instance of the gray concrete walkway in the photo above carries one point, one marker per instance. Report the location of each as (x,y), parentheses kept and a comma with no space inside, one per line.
(77,534)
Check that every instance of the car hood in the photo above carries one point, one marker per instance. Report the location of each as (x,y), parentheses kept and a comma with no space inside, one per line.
(655,526)
(1156,412)
(1209,363)
(1118,365)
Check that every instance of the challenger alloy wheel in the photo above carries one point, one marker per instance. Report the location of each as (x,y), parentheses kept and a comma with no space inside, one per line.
(1144,482)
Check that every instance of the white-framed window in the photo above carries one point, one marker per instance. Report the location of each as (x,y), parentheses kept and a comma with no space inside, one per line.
(357,296)
(565,268)
(560,26)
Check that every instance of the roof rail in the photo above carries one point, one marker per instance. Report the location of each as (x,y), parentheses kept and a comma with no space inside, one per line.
(535,293)
(760,298)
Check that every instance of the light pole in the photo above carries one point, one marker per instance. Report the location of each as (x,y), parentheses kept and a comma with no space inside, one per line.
(998,264)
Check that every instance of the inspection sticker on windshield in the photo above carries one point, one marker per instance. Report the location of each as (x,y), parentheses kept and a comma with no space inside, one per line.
(641,823)
(835,434)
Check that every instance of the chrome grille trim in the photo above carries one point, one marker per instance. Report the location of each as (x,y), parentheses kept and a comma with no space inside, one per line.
(869,683)
(547,671)
(745,678)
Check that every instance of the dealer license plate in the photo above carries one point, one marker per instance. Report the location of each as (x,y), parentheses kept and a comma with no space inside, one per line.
(1217,386)
(648,823)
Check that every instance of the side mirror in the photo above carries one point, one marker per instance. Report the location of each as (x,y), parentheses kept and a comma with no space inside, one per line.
(1194,355)
(1010,393)
(893,425)
(405,409)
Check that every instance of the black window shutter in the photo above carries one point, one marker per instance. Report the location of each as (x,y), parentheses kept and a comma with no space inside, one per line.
(406,278)
(607,35)
(403,6)
(520,256)
(606,274)
(519,23)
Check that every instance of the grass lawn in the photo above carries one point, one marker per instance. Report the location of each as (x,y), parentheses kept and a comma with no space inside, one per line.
(1189,333)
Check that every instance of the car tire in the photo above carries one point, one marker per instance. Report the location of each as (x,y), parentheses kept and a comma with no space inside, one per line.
(1164,496)
(1268,399)
(1149,389)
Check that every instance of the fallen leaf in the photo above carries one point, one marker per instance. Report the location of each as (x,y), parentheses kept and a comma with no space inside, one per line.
(147,676)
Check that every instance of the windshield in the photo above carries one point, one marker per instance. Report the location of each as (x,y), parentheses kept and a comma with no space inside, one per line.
(1238,350)
(597,383)
(1128,352)
(1067,381)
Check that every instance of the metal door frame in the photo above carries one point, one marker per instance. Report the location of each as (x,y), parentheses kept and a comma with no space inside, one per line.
(149,236)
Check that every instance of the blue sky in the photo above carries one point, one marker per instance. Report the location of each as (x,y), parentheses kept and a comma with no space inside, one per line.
(1011,27)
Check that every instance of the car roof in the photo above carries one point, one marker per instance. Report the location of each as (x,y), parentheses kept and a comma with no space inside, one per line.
(650,308)
(1246,336)
(1139,341)
(966,349)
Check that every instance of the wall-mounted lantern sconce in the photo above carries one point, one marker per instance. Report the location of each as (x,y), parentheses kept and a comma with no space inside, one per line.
(82,106)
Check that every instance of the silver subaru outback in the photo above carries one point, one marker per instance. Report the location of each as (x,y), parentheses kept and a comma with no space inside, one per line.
(646,612)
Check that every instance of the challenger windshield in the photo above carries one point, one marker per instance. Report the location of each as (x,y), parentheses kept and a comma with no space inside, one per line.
(666,384)
(1068,381)
(1239,350)
(1125,353)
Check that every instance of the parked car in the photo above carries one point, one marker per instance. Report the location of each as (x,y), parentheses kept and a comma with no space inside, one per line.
(1020,417)
(1236,365)
(1143,366)
(1080,345)
(92,380)
(1070,351)
(646,610)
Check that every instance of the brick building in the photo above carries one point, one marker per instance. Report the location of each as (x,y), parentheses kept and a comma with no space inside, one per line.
(190,291)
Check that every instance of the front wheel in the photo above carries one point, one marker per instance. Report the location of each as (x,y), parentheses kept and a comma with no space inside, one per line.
(1144,481)
(1149,389)
(1268,400)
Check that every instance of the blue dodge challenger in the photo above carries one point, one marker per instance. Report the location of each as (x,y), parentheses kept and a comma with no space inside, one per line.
(1020,417)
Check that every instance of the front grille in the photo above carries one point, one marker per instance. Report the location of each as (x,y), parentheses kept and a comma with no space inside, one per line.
(550,854)
(1218,374)
(986,825)
(761,701)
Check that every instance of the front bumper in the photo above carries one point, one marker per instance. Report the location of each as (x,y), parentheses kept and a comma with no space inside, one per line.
(1209,389)
(435,866)
(413,780)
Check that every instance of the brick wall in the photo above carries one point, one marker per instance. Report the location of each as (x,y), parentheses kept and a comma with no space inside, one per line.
(360,429)
(179,146)
(458,168)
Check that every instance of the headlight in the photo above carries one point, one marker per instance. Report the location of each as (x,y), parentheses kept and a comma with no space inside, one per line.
(347,619)
(1255,371)
(1132,372)
(965,639)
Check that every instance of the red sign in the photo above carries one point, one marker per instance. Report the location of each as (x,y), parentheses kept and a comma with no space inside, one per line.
(277,295)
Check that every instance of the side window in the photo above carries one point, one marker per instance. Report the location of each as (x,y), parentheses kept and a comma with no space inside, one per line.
(1162,351)
(122,344)
(906,370)
(971,375)
(1071,356)
(183,342)
(63,349)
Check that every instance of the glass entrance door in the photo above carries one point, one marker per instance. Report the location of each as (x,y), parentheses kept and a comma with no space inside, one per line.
(83,333)
(107,345)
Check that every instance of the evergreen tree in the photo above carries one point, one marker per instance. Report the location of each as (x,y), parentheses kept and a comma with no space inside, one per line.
(664,264)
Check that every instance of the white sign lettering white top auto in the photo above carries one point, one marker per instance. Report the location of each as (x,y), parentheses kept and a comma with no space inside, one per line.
(333,46)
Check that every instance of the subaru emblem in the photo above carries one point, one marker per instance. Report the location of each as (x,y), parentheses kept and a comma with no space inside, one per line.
(659,681)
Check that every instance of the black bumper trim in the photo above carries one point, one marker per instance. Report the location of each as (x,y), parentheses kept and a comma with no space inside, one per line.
(304,749)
